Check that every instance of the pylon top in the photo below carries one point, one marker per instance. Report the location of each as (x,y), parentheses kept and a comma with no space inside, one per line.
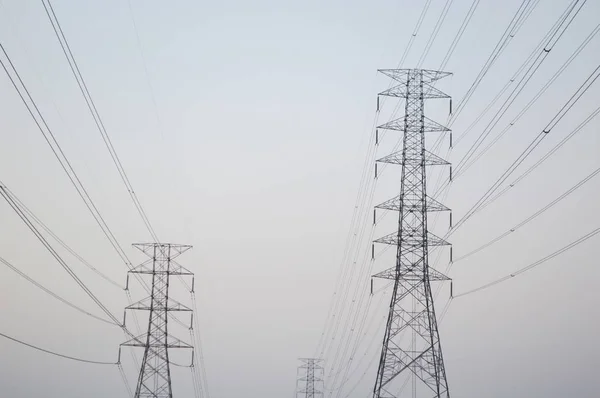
(428,75)
(174,249)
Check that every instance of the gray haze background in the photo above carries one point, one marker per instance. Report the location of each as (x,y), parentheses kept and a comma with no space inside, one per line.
(253,154)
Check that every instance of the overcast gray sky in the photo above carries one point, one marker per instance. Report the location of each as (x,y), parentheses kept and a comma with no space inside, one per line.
(251,151)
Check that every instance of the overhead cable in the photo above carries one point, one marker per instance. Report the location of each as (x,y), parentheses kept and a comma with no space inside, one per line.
(58,152)
(534,264)
(532,217)
(565,22)
(459,33)
(51,293)
(540,161)
(45,227)
(57,354)
(434,33)
(56,256)
(530,148)
(524,110)
(519,17)
(94,112)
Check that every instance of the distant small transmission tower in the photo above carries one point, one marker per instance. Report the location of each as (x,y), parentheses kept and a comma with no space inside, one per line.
(311,375)
(418,357)
(155,374)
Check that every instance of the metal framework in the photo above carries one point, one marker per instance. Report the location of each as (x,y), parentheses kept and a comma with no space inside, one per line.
(311,373)
(154,379)
(419,357)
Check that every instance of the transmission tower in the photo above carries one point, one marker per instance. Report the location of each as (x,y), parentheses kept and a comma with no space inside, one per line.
(154,379)
(417,358)
(311,374)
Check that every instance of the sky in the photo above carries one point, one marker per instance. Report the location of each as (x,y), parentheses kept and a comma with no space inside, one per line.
(243,128)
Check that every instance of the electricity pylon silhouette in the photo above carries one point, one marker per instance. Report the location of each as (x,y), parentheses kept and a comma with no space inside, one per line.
(154,379)
(411,308)
(311,373)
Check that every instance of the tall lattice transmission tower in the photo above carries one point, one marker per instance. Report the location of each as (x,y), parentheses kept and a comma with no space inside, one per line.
(311,375)
(415,356)
(154,379)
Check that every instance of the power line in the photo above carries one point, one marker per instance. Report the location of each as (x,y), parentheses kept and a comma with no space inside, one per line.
(542,159)
(519,17)
(344,279)
(450,52)
(125,381)
(564,24)
(527,152)
(364,268)
(48,135)
(459,34)
(59,259)
(54,254)
(516,23)
(197,338)
(101,128)
(348,375)
(549,83)
(531,217)
(347,345)
(195,384)
(540,47)
(62,39)
(54,352)
(534,264)
(356,303)
(358,339)
(94,112)
(42,125)
(415,32)
(531,58)
(40,223)
(435,32)
(62,243)
(98,120)
(488,201)
(51,293)
(346,317)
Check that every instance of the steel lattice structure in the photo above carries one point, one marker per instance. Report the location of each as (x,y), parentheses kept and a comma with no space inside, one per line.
(418,357)
(154,379)
(311,373)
